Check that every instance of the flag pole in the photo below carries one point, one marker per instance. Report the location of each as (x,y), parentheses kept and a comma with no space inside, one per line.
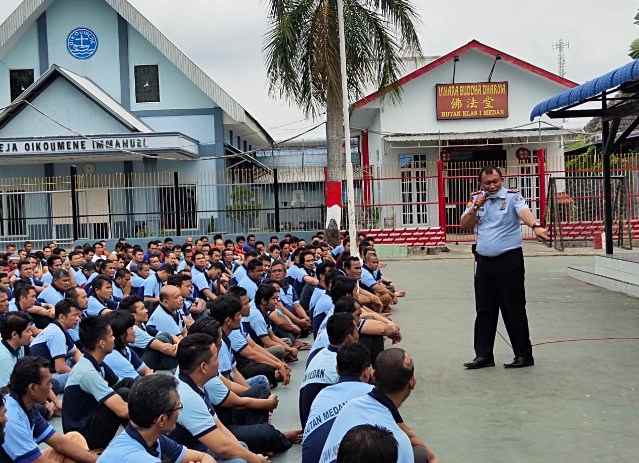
(350,185)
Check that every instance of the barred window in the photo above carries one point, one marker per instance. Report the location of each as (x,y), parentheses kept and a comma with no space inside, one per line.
(147,84)
(19,80)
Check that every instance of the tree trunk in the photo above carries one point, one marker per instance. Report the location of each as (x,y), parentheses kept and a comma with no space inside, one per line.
(335,135)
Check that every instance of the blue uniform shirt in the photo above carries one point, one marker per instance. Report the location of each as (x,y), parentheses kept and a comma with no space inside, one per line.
(47,279)
(326,406)
(125,363)
(130,447)
(152,286)
(52,343)
(50,295)
(95,307)
(288,295)
(249,285)
(200,281)
(321,371)
(256,324)
(25,429)
(197,418)
(374,407)
(323,306)
(162,321)
(499,227)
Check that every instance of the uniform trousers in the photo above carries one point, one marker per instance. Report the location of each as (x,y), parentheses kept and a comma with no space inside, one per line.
(499,285)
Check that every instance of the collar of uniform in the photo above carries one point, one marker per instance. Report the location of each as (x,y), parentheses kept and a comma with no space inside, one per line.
(94,362)
(349,379)
(188,381)
(30,413)
(388,403)
(226,341)
(332,348)
(61,293)
(174,315)
(14,352)
(501,194)
(135,435)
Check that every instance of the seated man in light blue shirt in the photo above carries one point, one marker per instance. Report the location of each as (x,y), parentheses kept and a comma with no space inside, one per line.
(355,372)
(197,426)
(153,411)
(60,284)
(167,316)
(252,279)
(26,429)
(123,360)
(101,301)
(55,344)
(154,283)
(394,382)
(16,335)
(53,263)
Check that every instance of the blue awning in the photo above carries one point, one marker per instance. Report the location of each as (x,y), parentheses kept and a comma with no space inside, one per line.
(612,79)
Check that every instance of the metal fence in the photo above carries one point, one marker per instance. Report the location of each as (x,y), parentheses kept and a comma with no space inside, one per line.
(420,193)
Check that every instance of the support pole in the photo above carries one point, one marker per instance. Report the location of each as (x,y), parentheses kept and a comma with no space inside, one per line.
(608,146)
(352,225)
(441,194)
(541,171)
(176,202)
(74,203)
(276,199)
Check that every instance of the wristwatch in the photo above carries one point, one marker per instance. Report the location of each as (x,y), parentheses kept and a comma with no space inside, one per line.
(536,225)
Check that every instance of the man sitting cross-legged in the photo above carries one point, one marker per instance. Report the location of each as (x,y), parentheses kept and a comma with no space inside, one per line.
(26,429)
(198,426)
(355,372)
(157,352)
(94,397)
(245,416)
(154,409)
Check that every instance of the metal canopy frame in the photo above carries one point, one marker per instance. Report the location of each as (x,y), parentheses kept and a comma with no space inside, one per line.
(616,104)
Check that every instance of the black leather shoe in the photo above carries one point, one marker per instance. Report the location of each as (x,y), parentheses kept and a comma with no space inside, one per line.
(480,362)
(521,362)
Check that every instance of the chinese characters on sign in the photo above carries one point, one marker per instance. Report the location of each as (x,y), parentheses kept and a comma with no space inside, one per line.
(481,100)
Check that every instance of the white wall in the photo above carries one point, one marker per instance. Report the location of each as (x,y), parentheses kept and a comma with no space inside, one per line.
(24,55)
(176,91)
(104,67)
(416,113)
(200,128)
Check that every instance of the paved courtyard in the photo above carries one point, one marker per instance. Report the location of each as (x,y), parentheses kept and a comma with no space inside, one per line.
(578,404)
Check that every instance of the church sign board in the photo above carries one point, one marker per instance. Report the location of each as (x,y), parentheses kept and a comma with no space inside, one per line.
(478,100)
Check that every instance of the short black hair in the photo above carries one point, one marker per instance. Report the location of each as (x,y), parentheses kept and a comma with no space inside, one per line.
(28,370)
(489,170)
(352,360)
(128,302)
(265,291)
(59,274)
(250,254)
(120,321)
(122,273)
(100,281)
(254,264)
(193,350)
(206,325)
(368,443)
(21,290)
(338,326)
(92,330)
(64,307)
(14,322)
(150,397)
(390,373)
(348,262)
(225,307)
(239,238)
(52,258)
(237,292)
(345,304)
(341,287)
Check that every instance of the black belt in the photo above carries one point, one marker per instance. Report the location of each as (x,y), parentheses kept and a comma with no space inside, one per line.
(509,253)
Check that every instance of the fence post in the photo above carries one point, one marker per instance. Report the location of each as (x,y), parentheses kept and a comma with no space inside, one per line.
(176,201)
(276,199)
(541,171)
(441,195)
(74,203)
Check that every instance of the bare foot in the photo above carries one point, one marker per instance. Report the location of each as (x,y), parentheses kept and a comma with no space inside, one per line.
(294,436)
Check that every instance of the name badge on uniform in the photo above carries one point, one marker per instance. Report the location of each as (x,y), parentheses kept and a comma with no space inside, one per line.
(502,206)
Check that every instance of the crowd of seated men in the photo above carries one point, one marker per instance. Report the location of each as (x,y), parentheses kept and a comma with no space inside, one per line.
(172,353)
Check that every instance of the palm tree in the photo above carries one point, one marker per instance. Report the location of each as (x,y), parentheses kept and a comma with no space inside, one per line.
(302,54)
(634,46)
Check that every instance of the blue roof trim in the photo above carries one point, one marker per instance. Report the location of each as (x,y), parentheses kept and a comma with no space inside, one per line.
(612,79)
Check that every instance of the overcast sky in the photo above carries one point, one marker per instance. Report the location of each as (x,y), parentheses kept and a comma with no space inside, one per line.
(226,37)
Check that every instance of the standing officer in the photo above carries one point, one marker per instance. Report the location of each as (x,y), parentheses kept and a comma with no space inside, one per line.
(496,214)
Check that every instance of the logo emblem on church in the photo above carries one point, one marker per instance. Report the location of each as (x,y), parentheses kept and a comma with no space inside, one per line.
(82,43)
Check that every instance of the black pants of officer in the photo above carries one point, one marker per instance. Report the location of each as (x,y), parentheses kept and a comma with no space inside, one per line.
(499,285)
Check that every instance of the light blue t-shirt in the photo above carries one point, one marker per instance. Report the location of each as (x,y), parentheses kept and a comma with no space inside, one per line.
(8,359)
(326,407)
(125,363)
(216,391)
(249,285)
(50,295)
(130,447)
(197,418)
(162,321)
(52,343)
(95,307)
(200,282)
(47,279)
(152,286)
(372,408)
(499,227)
(24,431)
